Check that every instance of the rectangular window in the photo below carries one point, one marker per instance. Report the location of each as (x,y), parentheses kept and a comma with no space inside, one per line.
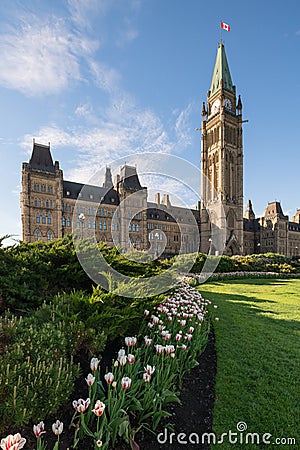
(100,225)
(104,225)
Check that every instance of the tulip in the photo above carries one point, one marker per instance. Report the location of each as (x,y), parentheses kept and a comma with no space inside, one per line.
(159,349)
(57,428)
(192,330)
(121,353)
(182,323)
(217,319)
(130,341)
(122,360)
(94,364)
(90,379)
(148,341)
(172,355)
(183,347)
(99,408)
(114,384)
(99,443)
(39,429)
(109,377)
(81,405)
(146,378)
(215,306)
(116,363)
(126,383)
(149,369)
(130,359)
(169,349)
(13,442)
(178,337)
(146,312)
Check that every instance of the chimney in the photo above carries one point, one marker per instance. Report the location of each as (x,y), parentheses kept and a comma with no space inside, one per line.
(166,200)
(157,198)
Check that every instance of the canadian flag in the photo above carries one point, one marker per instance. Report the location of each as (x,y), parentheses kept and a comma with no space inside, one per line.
(225,26)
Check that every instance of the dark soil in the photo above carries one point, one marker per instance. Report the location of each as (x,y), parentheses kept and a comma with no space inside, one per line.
(192,415)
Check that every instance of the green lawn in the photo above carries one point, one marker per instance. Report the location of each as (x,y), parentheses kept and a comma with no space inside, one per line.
(258,358)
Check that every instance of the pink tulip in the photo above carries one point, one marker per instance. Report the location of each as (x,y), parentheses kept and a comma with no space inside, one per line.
(146,313)
(148,341)
(12,442)
(99,408)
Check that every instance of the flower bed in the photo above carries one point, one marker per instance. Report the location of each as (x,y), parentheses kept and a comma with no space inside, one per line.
(145,376)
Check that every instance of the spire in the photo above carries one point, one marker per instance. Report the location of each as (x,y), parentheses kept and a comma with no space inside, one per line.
(221,75)
(108,179)
(249,213)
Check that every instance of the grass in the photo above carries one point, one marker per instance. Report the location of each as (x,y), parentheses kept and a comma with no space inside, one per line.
(258,354)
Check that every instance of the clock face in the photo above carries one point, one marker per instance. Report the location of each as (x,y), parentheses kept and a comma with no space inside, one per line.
(227,103)
(215,106)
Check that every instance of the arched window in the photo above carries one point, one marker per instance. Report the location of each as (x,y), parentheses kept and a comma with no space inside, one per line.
(37,234)
(43,218)
(37,218)
(47,203)
(49,219)
(50,236)
(100,225)
(63,221)
(104,225)
(68,222)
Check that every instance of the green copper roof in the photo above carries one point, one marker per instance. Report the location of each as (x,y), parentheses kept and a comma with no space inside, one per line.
(221,72)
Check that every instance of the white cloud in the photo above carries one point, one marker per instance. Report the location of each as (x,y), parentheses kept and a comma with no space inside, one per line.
(41,56)
(84,11)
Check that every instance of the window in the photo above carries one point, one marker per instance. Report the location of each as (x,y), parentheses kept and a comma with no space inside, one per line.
(104,225)
(91,196)
(68,222)
(138,216)
(47,203)
(159,226)
(50,236)
(112,200)
(100,225)
(138,241)
(90,211)
(37,218)
(63,221)
(43,188)
(68,207)
(103,212)
(37,234)
(89,224)
(49,219)
(50,190)
(43,218)
(51,204)
(150,226)
(68,193)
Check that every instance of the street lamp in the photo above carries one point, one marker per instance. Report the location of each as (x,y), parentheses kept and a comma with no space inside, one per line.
(81,217)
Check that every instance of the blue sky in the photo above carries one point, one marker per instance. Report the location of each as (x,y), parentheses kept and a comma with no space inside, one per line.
(101,79)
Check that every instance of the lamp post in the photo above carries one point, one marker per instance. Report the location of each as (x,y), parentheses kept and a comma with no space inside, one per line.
(258,246)
(81,217)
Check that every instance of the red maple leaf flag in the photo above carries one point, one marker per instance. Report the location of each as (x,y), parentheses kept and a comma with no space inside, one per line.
(225,26)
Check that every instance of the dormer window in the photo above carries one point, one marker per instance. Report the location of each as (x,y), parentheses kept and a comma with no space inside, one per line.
(68,193)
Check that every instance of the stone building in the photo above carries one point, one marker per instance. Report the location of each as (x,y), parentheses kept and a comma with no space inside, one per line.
(119,212)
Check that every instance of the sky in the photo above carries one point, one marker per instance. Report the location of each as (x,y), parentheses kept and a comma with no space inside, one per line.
(102,79)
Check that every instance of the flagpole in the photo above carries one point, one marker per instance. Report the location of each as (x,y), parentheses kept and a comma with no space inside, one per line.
(220,33)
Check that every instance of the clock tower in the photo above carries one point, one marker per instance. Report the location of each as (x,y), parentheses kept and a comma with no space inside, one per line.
(222,161)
